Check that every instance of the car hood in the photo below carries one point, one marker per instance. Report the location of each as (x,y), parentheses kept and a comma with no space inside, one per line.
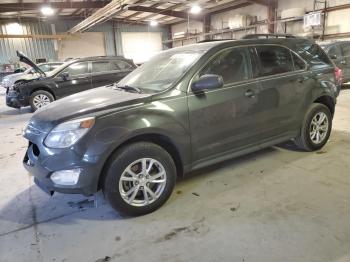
(20,76)
(23,58)
(92,102)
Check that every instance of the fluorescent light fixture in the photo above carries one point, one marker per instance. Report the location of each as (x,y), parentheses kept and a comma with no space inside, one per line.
(153,23)
(47,10)
(195,9)
(14,29)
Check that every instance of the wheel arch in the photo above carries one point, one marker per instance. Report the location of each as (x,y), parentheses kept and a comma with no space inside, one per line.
(328,101)
(42,88)
(159,139)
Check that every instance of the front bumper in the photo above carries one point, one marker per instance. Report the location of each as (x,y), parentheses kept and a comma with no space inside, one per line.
(41,162)
(13,99)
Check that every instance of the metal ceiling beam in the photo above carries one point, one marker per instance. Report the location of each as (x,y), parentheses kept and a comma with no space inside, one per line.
(178,14)
(15,7)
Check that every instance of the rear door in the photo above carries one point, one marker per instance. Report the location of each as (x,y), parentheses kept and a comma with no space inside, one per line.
(345,62)
(78,79)
(224,119)
(282,88)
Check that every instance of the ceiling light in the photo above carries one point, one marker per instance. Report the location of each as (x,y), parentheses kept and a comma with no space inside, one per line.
(153,23)
(195,9)
(14,29)
(47,10)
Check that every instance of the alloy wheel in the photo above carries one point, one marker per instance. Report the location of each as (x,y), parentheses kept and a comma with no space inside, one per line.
(319,128)
(142,182)
(41,100)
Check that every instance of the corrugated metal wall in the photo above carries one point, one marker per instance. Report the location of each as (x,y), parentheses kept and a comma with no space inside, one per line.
(34,48)
(44,48)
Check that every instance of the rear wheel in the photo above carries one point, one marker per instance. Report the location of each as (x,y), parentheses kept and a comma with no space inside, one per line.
(139,179)
(40,99)
(316,128)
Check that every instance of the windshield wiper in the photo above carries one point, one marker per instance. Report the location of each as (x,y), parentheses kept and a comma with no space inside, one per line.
(130,88)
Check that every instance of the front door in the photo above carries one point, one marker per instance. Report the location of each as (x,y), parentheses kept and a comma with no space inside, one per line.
(73,79)
(224,119)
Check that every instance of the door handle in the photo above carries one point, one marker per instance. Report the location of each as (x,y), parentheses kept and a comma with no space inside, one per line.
(343,62)
(250,93)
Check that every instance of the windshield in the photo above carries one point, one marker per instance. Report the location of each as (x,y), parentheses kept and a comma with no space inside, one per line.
(161,71)
(58,68)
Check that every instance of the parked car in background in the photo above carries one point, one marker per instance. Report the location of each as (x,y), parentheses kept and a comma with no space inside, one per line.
(186,108)
(28,74)
(339,52)
(71,77)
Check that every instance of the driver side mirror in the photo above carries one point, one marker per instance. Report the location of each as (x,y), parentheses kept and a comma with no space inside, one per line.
(64,75)
(207,82)
(333,57)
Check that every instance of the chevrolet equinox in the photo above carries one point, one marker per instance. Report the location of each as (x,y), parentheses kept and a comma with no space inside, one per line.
(186,108)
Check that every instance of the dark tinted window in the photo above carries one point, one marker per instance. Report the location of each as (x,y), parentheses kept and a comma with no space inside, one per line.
(77,69)
(335,51)
(313,53)
(346,49)
(233,65)
(274,60)
(299,64)
(100,66)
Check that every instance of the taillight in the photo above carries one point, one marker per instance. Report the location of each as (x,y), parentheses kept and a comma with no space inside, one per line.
(338,75)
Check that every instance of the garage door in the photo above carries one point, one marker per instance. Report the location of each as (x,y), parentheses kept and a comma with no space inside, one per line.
(141,46)
(82,45)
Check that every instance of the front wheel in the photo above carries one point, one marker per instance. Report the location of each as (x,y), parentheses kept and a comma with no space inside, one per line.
(139,179)
(40,99)
(316,128)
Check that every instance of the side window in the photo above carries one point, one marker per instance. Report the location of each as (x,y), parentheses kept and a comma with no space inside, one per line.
(299,64)
(120,65)
(45,67)
(335,51)
(233,65)
(346,49)
(100,66)
(274,60)
(77,69)
(313,53)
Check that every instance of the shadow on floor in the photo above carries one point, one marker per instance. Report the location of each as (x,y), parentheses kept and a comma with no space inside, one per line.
(32,206)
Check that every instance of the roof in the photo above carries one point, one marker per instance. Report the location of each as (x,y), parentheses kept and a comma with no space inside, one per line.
(129,11)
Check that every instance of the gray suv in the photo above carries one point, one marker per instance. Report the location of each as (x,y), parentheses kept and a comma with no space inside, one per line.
(187,108)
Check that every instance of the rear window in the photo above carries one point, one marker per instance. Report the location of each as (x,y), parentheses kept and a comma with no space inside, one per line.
(314,54)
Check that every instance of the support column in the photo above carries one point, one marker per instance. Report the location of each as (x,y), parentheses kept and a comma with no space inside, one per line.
(271,16)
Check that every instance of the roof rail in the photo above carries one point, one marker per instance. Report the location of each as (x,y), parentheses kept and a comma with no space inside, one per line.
(256,36)
(214,40)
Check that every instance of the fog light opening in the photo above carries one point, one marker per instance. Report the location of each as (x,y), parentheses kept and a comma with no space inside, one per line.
(66,177)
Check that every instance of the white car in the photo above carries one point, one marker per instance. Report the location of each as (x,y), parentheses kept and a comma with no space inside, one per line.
(29,74)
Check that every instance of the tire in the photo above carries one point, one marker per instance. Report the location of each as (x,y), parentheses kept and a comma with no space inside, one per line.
(118,191)
(39,99)
(307,139)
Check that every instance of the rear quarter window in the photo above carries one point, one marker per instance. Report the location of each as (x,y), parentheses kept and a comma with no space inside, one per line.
(314,54)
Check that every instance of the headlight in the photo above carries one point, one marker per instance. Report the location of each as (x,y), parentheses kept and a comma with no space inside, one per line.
(68,133)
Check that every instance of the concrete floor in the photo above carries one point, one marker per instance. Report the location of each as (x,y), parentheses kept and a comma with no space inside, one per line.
(273,205)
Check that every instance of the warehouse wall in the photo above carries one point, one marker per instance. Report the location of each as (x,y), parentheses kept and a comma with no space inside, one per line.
(34,48)
(46,48)
(336,21)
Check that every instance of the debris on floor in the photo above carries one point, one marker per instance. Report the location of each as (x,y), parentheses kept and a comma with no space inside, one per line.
(86,203)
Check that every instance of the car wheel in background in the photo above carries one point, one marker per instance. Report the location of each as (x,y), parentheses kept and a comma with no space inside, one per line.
(39,99)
